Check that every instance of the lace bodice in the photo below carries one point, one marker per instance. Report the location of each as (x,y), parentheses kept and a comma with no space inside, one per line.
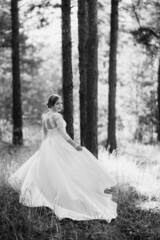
(51,121)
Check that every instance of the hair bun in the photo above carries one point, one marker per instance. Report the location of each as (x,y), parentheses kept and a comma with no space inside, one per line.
(48,105)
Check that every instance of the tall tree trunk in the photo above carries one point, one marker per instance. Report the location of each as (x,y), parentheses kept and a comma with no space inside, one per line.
(16,83)
(111,143)
(92,78)
(82,47)
(158,93)
(67,66)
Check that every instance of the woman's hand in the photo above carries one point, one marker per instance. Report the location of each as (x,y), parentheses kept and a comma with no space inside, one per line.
(75,145)
(78,148)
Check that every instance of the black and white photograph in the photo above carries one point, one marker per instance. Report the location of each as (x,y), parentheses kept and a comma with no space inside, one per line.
(79,120)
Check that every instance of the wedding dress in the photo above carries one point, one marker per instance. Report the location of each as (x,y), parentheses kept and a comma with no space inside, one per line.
(69,182)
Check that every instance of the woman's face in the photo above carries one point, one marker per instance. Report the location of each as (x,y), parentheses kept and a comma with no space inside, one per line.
(57,106)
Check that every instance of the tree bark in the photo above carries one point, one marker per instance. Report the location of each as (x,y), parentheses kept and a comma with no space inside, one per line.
(158,94)
(82,47)
(16,83)
(111,142)
(92,78)
(67,66)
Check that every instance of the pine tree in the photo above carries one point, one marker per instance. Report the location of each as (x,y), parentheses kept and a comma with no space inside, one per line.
(112,78)
(16,83)
(82,47)
(67,66)
(92,78)
(158,97)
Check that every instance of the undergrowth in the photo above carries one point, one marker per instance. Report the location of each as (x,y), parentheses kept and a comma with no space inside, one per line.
(20,222)
(134,194)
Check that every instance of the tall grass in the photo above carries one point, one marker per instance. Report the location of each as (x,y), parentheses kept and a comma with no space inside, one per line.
(140,168)
(137,171)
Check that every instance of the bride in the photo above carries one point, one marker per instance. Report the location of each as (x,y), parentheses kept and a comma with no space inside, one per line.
(64,176)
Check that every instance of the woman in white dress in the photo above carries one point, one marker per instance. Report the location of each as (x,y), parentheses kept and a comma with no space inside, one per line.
(64,176)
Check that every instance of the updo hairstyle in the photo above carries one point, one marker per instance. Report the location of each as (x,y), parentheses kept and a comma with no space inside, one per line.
(52,100)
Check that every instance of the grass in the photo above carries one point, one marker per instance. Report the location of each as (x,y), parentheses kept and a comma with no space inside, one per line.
(139,167)
(137,170)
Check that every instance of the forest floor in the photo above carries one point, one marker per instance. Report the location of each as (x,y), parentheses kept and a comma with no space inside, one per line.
(137,170)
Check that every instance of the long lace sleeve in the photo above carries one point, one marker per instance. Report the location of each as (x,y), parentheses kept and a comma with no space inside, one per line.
(44,129)
(61,126)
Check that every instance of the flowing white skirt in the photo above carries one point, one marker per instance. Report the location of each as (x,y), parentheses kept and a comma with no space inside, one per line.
(68,181)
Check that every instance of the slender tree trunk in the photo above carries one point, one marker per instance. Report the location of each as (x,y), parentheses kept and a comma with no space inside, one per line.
(92,78)
(82,47)
(111,143)
(16,83)
(158,93)
(67,66)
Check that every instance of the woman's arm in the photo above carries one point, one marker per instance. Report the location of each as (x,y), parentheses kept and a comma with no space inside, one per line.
(60,125)
(44,129)
(75,145)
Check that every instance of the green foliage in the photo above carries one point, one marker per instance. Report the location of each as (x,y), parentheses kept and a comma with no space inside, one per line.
(146,36)
(5,24)
(29,64)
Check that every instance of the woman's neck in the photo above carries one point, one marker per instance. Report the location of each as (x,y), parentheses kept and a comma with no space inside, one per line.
(53,111)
